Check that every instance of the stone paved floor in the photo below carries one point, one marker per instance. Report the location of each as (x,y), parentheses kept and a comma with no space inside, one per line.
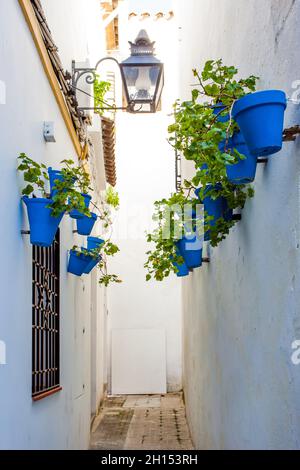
(151,422)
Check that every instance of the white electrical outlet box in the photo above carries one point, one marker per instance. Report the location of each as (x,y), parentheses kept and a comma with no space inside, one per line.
(49,132)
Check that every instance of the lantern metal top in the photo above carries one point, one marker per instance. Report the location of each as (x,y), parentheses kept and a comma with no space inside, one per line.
(142,44)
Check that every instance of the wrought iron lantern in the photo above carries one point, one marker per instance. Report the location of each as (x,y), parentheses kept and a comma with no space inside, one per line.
(142,76)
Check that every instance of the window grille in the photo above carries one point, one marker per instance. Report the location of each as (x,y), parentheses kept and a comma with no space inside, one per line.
(45,320)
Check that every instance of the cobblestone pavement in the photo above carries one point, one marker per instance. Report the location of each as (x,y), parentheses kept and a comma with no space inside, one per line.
(151,422)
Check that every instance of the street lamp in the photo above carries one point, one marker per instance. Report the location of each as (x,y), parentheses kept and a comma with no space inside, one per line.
(142,77)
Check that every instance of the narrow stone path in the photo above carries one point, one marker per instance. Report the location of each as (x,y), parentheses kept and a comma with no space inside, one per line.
(151,422)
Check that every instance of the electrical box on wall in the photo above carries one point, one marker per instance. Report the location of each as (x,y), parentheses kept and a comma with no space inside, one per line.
(49,132)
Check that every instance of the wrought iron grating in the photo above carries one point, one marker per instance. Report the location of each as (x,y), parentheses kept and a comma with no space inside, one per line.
(45,318)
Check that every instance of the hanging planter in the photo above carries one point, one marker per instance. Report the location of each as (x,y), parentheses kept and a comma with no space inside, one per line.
(78,262)
(190,248)
(85,225)
(244,171)
(76,214)
(53,176)
(260,117)
(183,270)
(43,226)
(91,265)
(213,208)
(94,242)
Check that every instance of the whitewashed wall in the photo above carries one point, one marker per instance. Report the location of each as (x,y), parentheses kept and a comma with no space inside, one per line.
(241,312)
(145,166)
(61,421)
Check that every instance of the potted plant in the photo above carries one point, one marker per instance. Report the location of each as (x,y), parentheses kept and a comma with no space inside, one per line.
(74,183)
(79,260)
(54,175)
(202,132)
(181,268)
(66,188)
(86,223)
(190,248)
(260,117)
(175,222)
(94,242)
(43,219)
(242,172)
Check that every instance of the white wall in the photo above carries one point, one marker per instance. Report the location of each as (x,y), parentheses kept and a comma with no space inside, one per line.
(145,168)
(62,420)
(241,312)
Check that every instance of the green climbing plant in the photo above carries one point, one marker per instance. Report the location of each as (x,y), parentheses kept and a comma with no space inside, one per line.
(201,132)
(101,87)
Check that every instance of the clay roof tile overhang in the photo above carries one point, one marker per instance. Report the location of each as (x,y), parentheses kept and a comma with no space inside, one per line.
(109,142)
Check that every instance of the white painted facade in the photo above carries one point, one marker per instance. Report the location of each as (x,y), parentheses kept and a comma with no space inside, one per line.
(241,312)
(61,421)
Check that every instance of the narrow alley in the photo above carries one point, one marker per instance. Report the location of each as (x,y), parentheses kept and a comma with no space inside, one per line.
(134,422)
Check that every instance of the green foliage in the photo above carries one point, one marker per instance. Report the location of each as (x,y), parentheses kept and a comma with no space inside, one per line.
(107,279)
(112,197)
(100,89)
(35,174)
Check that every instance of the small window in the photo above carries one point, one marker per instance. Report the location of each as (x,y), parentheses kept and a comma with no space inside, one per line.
(45,320)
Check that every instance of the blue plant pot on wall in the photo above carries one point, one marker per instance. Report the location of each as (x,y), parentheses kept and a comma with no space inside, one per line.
(94,242)
(91,265)
(213,207)
(244,171)
(75,214)
(183,270)
(43,226)
(86,224)
(53,176)
(78,263)
(191,251)
(260,116)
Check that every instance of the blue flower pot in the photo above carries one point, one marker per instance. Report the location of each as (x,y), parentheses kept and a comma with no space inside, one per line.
(190,248)
(183,270)
(43,226)
(78,263)
(86,224)
(244,171)
(260,117)
(53,176)
(94,242)
(75,214)
(213,207)
(91,265)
